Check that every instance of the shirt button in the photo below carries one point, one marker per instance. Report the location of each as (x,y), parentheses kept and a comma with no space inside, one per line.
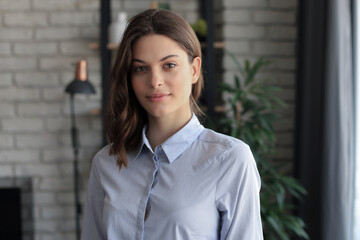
(158,149)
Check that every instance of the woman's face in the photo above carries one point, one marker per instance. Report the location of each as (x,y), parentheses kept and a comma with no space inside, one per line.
(162,76)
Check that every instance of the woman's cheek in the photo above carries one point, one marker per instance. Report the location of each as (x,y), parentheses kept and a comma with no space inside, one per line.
(136,85)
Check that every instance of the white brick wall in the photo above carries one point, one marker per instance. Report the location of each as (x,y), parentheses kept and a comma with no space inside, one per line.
(22,125)
(35,49)
(37,79)
(54,5)
(5,80)
(29,19)
(39,41)
(14,5)
(5,49)
(12,155)
(58,33)
(15,34)
(17,64)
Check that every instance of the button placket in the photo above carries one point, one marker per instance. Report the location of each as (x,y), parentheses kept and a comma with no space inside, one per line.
(153,184)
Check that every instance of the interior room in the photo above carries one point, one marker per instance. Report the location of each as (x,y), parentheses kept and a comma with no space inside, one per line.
(281,75)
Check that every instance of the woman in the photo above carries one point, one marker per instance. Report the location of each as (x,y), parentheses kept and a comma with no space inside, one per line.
(165,176)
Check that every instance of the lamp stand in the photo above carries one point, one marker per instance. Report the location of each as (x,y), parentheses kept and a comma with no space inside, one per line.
(75,145)
(80,85)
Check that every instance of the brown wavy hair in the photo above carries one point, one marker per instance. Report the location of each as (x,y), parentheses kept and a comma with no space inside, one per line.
(125,116)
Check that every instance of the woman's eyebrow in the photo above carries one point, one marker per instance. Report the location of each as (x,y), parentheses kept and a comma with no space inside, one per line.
(168,56)
(138,60)
(163,59)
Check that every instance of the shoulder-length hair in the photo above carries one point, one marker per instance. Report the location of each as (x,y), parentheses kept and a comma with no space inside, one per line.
(125,116)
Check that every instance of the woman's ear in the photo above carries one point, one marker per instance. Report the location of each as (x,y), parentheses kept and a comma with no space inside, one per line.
(196,69)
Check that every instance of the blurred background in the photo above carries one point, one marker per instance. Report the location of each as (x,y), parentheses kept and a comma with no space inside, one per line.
(311,52)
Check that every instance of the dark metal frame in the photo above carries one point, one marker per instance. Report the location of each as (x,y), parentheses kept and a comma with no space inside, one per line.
(207,11)
(105,18)
(75,145)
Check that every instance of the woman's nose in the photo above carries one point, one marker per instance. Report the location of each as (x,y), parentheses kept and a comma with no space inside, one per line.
(156,79)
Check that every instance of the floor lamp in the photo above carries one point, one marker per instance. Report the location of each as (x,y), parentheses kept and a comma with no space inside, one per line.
(80,85)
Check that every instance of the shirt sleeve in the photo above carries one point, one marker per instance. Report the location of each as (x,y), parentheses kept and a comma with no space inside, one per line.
(93,228)
(237,195)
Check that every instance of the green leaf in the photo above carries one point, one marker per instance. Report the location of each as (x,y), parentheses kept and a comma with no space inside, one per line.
(237,82)
(226,87)
(238,65)
(277,226)
(254,70)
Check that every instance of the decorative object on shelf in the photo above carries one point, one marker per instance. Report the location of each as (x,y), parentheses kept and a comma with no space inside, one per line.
(156,4)
(249,117)
(80,85)
(200,28)
(117,28)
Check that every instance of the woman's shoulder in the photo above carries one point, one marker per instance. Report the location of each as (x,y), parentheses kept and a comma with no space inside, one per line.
(104,151)
(234,156)
(227,148)
(211,137)
(103,155)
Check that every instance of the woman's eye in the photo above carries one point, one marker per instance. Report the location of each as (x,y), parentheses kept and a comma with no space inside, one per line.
(169,65)
(140,69)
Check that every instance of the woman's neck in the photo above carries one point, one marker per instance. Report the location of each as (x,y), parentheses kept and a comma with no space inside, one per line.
(161,129)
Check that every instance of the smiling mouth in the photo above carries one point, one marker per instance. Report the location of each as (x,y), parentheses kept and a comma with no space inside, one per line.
(157,97)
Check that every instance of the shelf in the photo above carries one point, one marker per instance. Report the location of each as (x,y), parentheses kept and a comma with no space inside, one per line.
(220,109)
(114,46)
(218,45)
(96,46)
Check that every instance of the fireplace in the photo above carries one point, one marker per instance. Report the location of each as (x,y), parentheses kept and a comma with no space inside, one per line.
(10,218)
(16,218)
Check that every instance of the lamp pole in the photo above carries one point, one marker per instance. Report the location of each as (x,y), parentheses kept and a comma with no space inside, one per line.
(80,85)
(75,145)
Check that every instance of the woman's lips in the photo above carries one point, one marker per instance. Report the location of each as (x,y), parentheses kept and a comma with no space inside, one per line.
(158,97)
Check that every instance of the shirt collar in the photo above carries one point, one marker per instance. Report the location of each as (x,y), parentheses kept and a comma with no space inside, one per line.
(174,146)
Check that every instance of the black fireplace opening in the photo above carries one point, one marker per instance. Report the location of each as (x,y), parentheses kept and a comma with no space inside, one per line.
(10,217)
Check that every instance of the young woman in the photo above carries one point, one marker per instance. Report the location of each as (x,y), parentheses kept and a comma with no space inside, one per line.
(163,175)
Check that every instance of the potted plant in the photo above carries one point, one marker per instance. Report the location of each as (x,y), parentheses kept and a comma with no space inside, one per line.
(249,117)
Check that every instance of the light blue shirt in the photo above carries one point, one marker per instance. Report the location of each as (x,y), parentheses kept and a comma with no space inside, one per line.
(198,184)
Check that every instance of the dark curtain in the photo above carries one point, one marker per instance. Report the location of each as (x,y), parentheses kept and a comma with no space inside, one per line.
(324,156)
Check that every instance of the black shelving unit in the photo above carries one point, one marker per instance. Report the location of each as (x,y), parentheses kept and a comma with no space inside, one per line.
(105,53)
(207,11)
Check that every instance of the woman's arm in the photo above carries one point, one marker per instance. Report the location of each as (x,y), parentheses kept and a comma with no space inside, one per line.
(237,195)
(92,223)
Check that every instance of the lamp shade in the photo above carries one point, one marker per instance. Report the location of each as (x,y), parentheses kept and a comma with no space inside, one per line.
(80,84)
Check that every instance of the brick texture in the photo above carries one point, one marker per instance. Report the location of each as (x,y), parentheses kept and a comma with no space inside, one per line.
(15,34)
(14,5)
(5,80)
(58,33)
(35,49)
(25,19)
(5,49)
